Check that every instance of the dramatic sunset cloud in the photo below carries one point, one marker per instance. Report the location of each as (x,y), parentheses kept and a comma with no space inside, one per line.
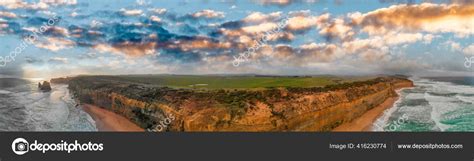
(279,36)
(434,18)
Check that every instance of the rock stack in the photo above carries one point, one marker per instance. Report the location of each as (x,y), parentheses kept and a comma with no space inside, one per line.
(46,86)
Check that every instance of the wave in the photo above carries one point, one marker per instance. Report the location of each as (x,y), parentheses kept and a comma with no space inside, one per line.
(382,121)
(5,92)
(25,108)
(432,106)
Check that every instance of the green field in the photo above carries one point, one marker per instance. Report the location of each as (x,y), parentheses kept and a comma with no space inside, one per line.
(232,82)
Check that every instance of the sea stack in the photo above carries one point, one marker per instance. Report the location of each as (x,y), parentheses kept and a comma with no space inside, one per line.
(46,86)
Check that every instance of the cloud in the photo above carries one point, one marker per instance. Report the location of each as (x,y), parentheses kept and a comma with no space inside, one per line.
(58,60)
(455,46)
(300,22)
(283,51)
(7,14)
(12,4)
(283,3)
(381,42)
(274,2)
(135,12)
(19,4)
(57,31)
(261,17)
(132,49)
(33,60)
(433,18)
(337,28)
(207,39)
(55,44)
(90,55)
(202,43)
(428,38)
(155,18)
(210,14)
(3,26)
(469,50)
(462,1)
(260,28)
(401,38)
(159,10)
(59,2)
(319,52)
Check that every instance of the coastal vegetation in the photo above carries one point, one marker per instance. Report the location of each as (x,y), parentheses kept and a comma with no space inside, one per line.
(245,103)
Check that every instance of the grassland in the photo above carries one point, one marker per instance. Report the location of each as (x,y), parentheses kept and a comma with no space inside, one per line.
(232,82)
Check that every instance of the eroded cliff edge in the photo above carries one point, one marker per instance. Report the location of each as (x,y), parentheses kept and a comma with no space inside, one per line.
(277,109)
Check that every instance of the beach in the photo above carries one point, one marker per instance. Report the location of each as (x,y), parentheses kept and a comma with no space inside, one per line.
(364,122)
(109,121)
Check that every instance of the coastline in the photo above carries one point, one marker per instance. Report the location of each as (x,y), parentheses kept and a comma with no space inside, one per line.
(364,94)
(106,120)
(364,122)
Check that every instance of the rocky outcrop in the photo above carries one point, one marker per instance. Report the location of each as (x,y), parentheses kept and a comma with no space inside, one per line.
(279,109)
(46,86)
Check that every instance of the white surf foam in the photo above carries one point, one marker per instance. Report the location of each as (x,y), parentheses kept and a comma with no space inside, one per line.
(443,98)
(382,121)
(5,92)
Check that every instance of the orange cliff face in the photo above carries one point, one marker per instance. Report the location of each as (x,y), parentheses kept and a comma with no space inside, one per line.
(283,109)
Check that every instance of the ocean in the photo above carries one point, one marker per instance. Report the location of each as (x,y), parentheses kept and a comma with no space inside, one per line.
(434,104)
(24,108)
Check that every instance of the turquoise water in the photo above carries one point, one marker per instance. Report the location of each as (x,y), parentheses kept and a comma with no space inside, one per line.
(434,104)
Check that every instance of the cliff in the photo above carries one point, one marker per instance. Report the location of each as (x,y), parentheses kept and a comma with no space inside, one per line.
(274,109)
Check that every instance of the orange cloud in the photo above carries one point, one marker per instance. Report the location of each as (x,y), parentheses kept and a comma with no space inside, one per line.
(434,18)
(338,28)
(306,22)
(202,43)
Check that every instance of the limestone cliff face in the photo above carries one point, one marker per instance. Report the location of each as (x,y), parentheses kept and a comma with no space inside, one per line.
(282,109)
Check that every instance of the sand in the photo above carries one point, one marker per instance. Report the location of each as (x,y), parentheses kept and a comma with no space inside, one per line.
(364,122)
(109,121)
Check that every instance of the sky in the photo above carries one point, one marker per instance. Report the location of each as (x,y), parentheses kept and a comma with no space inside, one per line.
(55,38)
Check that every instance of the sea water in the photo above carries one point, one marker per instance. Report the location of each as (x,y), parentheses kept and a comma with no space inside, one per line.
(25,108)
(434,104)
